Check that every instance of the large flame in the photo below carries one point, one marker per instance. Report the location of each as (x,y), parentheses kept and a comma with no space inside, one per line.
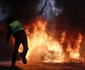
(74,52)
(42,47)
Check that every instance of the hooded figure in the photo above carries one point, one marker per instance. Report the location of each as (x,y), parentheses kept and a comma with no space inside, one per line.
(15,29)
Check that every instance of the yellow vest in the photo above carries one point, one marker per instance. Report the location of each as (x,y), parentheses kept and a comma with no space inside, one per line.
(16,26)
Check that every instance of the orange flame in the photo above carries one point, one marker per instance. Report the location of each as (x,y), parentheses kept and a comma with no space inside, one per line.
(42,47)
(74,53)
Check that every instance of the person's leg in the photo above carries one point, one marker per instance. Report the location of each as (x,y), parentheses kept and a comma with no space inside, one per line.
(25,46)
(14,55)
(25,49)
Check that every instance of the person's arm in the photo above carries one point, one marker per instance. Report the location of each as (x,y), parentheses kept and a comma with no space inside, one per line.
(8,34)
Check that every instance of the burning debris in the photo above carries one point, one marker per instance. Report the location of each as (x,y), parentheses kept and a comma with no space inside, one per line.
(44,48)
(76,60)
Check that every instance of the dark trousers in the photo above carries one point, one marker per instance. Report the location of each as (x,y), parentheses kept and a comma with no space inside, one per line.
(20,37)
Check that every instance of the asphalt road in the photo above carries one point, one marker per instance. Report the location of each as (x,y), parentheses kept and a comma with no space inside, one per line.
(42,66)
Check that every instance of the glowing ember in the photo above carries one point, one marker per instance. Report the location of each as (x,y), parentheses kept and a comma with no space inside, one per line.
(42,47)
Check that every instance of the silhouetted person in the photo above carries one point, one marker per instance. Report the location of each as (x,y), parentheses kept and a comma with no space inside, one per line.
(15,29)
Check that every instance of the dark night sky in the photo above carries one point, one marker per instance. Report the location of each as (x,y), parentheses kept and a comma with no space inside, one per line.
(74,12)
(21,9)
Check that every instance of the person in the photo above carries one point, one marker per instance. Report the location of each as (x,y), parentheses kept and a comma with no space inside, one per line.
(15,29)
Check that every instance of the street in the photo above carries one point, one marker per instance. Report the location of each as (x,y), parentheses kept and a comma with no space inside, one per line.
(43,66)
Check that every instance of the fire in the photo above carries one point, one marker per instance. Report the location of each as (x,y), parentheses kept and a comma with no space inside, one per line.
(42,47)
(74,53)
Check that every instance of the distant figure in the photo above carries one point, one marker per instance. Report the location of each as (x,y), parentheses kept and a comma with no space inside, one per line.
(15,29)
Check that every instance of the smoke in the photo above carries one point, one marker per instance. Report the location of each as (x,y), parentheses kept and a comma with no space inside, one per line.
(73,12)
(23,11)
